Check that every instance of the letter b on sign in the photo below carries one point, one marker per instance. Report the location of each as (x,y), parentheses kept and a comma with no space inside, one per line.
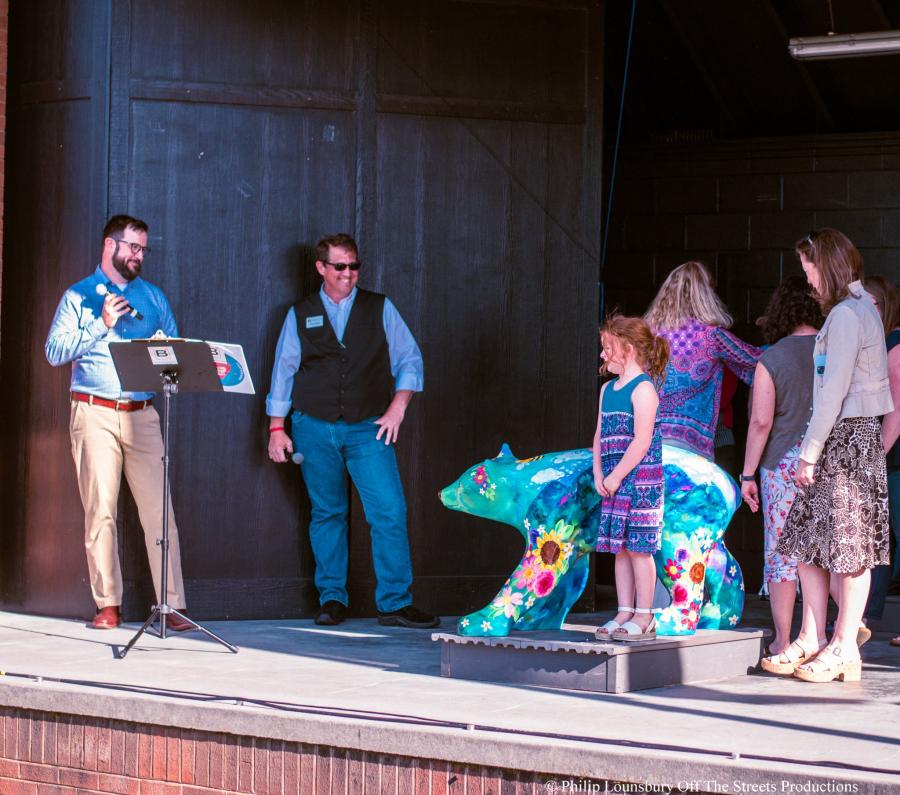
(163,355)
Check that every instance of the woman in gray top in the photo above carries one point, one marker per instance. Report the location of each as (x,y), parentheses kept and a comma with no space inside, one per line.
(782,405)
(838,525)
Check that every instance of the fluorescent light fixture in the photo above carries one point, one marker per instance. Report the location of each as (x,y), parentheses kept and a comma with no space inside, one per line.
(850,45)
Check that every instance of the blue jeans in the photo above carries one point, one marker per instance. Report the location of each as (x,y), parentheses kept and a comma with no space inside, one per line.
(883,575)
(331,450)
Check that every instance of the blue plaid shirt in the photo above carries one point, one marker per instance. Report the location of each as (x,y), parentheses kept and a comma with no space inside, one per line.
(79,335)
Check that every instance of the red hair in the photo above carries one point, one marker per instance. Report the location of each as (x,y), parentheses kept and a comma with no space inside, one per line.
(650,350)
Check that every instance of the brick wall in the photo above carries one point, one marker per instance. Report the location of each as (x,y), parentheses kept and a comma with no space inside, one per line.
(45,753)
(739,207)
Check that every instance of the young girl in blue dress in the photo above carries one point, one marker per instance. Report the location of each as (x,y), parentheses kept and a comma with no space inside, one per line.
(628,470)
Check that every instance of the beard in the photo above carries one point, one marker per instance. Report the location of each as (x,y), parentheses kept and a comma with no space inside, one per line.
(120,263)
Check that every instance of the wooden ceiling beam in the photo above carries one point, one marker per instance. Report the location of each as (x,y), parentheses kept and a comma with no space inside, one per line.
(813,89)
(697,60)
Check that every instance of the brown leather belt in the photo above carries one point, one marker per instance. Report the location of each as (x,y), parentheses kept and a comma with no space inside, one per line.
(118,405)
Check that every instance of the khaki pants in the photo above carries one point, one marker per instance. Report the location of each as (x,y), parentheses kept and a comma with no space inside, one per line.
(104,442)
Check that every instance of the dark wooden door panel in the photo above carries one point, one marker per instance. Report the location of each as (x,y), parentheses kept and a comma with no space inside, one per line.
(55,200)
(506,54)
(456,140)
(233,193)
(271,44)
(503,282)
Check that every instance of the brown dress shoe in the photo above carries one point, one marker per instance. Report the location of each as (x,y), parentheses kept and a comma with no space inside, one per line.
(106,618)
(177,624)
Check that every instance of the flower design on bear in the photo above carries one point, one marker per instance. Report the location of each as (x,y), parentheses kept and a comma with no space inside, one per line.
(698,571)
(673,570)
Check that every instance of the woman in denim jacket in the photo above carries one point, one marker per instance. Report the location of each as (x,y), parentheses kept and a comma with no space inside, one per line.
(838,525)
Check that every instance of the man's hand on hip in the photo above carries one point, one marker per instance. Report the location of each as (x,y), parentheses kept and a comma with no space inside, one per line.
(280,446)
(389,424)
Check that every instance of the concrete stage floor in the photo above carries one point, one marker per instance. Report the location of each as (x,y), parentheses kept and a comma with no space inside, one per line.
(364,686)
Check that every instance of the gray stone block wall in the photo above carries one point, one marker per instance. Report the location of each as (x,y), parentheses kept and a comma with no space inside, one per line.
(739,207)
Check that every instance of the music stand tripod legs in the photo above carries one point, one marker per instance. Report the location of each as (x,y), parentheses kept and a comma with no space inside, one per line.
(163,610)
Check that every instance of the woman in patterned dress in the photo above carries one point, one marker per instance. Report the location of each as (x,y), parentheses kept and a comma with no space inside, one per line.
(693,319)
(782,405)
(838,525)
(628,471)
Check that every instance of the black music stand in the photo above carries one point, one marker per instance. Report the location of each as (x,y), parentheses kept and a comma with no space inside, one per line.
(176,365)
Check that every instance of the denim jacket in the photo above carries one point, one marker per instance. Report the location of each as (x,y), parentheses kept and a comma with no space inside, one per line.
(851,373)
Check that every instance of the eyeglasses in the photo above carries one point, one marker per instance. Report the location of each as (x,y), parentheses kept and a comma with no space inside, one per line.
(136,248)
(342,266)
(809,239)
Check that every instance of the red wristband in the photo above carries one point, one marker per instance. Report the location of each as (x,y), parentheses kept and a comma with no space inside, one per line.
(278,428)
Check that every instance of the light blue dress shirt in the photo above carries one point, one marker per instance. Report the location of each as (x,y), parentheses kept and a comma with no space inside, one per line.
(79,335)
(406,358)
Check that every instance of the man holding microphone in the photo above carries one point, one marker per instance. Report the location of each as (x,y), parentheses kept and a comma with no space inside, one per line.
(111,430)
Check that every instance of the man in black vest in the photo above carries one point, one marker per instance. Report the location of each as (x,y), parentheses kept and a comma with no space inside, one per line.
(346,367)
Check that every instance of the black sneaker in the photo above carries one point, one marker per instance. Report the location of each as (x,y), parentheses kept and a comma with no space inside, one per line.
(409,616)
(331,613)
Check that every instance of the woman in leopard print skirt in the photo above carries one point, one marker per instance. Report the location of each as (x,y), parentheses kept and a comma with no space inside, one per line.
(837,528)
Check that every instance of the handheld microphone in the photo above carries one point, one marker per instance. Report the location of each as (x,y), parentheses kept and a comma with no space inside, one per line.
(103,289)
(297,458)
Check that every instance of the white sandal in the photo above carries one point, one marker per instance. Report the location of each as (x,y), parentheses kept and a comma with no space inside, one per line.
(605,632)
(795,655)
(630,632)
(830,664)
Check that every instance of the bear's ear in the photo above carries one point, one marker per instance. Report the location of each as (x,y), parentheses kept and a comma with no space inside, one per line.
(505,452)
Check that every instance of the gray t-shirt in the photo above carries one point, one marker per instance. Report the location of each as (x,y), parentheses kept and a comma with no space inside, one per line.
(790,363)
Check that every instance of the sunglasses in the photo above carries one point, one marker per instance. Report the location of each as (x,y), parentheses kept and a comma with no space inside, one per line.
(342,266)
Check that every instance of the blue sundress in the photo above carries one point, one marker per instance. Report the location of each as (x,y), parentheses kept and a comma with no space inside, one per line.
(632,517)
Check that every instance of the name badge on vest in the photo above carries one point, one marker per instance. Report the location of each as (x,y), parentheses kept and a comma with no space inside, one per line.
(316,321)
(820,364)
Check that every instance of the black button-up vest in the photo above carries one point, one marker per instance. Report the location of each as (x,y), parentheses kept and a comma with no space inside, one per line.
(350,378)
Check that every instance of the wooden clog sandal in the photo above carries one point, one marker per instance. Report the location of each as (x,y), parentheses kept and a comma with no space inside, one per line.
(863,635)
(785,663)
(830,664)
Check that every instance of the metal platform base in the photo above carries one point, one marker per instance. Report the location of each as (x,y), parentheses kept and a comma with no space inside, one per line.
(570,658)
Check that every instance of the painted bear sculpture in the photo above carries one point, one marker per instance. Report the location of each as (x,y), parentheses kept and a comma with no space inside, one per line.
(552,502)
